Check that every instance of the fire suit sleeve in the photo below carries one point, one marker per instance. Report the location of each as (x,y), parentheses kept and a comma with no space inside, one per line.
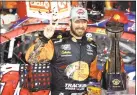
(46,52)
(94,72)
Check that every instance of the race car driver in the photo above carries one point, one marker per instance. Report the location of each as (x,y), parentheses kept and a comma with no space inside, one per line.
(73,55)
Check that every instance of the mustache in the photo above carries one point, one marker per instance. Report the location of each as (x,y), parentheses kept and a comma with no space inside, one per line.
(80,28)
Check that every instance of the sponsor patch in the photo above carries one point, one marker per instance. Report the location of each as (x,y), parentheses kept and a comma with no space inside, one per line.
(66,47)
(75,86)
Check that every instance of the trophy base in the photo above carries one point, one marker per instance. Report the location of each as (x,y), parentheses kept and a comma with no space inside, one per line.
(113,82)
(105,92)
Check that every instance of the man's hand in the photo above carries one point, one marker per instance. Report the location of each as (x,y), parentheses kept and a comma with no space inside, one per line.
(50,29)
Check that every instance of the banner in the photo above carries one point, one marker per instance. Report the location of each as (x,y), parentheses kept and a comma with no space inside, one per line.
(47,10)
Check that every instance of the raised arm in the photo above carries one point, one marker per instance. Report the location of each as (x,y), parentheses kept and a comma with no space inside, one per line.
(42,50)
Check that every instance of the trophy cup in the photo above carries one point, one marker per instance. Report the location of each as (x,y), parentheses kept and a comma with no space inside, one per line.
(113,78)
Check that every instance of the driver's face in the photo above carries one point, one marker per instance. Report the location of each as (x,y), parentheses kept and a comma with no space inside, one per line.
(78,27)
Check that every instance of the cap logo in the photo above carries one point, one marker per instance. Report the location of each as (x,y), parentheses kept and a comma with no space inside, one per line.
(80,11)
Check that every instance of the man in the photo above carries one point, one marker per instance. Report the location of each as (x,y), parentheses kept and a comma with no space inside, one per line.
(73,55)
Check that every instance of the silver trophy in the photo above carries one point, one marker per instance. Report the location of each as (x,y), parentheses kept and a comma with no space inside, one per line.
(113,78)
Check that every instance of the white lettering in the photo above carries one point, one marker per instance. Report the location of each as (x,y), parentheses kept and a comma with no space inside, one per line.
(69,86)
(41,4)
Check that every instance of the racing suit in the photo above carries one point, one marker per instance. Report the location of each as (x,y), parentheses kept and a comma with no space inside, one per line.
(73,62)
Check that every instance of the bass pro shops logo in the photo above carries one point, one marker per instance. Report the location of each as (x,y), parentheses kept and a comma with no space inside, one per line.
(78,71)
(80,12)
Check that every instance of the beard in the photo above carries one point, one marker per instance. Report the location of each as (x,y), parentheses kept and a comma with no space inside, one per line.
(79,32)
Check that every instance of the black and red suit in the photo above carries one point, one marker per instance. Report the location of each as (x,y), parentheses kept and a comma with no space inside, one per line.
(73,62)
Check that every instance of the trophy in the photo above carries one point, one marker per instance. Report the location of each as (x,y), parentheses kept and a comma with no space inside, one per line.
(113,78)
